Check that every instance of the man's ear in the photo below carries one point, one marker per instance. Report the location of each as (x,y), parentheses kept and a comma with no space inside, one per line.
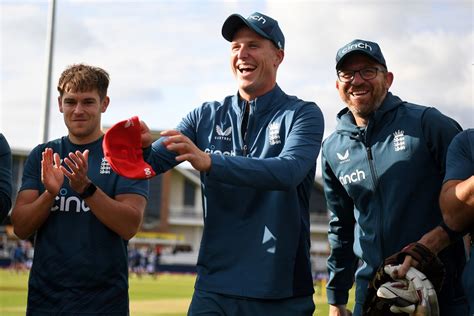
(105,104)
(60,104)
(280,55)
(389,79)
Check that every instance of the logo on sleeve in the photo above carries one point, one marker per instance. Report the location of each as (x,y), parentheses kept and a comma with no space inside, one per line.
(399,140)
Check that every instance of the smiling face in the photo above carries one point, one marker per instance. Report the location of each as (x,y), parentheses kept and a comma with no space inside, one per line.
(82,113)
(254,61)
(363,97)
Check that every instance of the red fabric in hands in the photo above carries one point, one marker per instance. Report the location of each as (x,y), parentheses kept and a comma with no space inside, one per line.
(123,150)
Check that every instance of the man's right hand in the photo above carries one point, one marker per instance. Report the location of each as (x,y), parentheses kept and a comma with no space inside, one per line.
(339,310)
(51,175)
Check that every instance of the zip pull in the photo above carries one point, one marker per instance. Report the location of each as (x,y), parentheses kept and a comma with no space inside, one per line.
(245,150)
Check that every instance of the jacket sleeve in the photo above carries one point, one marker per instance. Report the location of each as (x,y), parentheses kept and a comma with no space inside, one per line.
(5,178)
(162,159)
(459,160)
(439,130)
(342,261)
(283,172)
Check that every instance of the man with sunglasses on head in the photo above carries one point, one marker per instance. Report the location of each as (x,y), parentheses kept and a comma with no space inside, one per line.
(383,169)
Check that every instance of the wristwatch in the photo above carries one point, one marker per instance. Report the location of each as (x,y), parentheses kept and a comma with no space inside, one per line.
(89,191)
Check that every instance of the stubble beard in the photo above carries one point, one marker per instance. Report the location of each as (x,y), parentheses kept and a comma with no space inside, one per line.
(365,111)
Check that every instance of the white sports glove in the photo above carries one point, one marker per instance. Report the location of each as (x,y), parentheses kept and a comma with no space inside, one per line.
(414,294)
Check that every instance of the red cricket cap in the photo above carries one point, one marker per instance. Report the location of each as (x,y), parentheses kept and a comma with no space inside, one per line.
(122,147)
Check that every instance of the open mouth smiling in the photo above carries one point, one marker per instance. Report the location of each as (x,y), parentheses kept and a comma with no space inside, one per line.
(246,68)
(359,93)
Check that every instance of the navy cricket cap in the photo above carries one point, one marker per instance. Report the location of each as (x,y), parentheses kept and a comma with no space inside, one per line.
(368,48)
(261,24)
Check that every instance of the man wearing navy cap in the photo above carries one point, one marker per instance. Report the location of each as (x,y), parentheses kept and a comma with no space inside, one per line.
(256,151)
(383,169)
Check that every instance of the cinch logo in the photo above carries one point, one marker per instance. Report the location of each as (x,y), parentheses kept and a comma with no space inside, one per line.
(258,18)
(223,134)
(356,176)
(354,46)
(70,203)
(218,152)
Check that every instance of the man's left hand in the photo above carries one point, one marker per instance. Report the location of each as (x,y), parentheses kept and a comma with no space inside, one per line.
(77,173)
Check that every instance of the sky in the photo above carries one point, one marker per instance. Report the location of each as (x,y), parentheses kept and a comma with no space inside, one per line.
(166,57)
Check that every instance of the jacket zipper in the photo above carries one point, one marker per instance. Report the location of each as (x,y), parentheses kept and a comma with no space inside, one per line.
(244,151)
(371,166)
(370,157)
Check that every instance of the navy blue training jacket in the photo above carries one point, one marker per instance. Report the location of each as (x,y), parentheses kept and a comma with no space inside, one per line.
(256,237)
(382,184)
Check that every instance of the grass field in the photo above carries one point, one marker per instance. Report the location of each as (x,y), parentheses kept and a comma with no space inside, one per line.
(167,295)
